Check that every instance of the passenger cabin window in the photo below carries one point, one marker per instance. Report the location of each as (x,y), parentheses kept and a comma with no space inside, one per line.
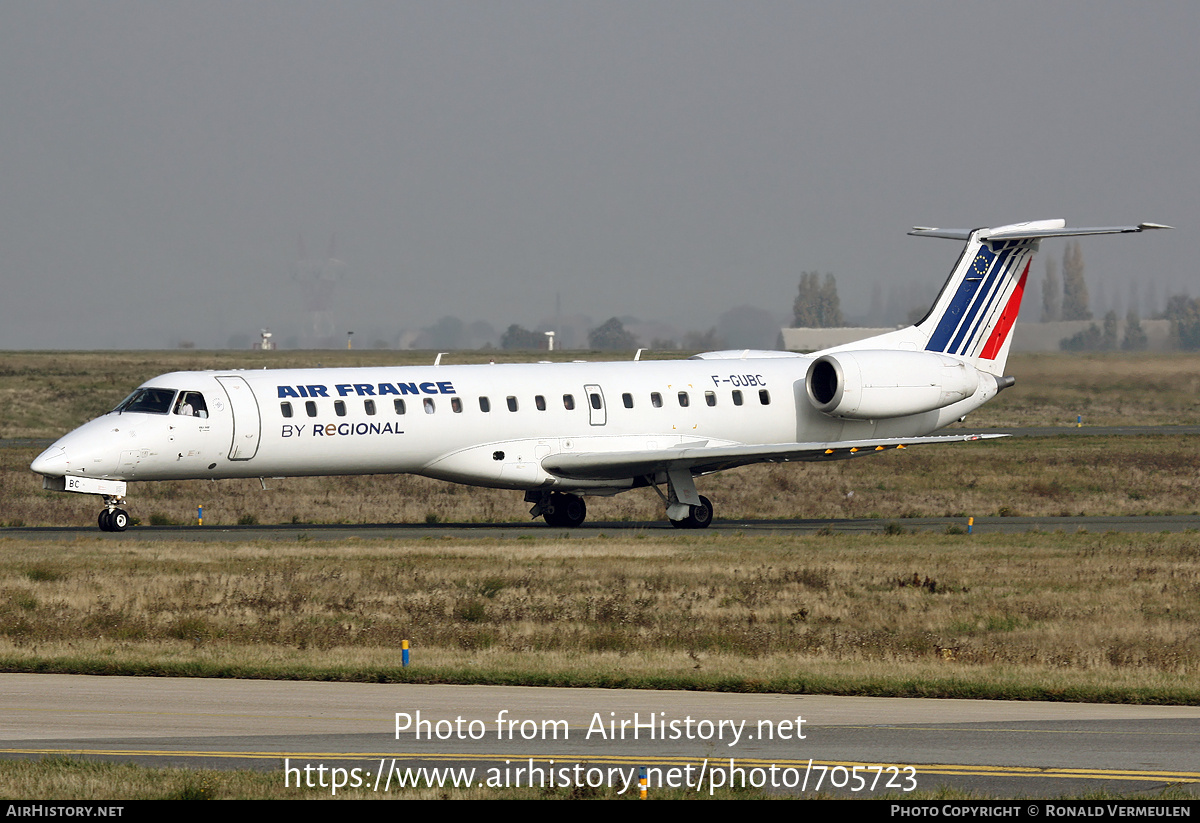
(339,408)
(191,404)
(285,408)
(369,407)
(764,397)
(485,405)
(737,397)
(540,402)
(456,405)
(398,404)
(627,399)
(151,401)
(710,398)
(656,400)
(428,404)
(512,403)
(569,402)
(683,399)
(310,408)
(595,400)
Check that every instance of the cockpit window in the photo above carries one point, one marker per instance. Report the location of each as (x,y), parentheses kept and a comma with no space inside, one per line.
(191,404)
(151,401)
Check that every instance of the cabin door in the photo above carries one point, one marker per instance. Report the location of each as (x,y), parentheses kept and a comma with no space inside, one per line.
(247,423)
(597,416)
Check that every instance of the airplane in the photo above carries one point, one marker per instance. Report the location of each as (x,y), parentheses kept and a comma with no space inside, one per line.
(563,431)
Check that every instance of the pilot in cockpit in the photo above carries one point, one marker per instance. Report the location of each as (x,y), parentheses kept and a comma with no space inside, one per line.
(191,404)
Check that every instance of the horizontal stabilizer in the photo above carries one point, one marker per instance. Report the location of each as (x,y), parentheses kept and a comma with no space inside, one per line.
(1035,230)
(704,459)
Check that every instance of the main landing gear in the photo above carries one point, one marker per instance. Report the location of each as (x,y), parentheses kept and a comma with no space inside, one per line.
(566,511)
(686,509)
(698,517)
(112,518)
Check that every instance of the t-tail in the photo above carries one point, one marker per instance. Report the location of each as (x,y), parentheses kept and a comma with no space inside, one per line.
(974,314)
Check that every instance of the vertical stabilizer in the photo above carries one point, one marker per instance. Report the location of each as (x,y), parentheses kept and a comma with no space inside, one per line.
(974,314)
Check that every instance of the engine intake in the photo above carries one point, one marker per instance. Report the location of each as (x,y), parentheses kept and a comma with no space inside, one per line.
(871,385)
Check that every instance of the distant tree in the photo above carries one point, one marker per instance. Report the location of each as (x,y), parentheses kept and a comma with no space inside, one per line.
(817,304)
(611,336)
(519,337)
(1111,333)
(1090,339)
(1135,335)
(1075,292)
(1184,314)
(806,307)
(1051,293)
(831,309)
(447,334)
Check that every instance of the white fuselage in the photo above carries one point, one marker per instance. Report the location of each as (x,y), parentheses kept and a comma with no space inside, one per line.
(486,425)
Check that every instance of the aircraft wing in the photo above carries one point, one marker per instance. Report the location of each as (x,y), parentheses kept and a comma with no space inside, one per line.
(704,459)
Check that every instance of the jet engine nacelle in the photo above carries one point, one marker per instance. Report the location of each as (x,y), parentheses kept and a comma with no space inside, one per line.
(870,385)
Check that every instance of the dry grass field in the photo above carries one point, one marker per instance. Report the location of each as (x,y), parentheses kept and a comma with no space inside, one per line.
(1050,616)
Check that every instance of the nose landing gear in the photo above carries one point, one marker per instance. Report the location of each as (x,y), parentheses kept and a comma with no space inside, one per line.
(112,518)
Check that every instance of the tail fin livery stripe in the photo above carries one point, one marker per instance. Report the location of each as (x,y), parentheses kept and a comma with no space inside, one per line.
(971,314)
(940,338)
(1002,285)
(975,289)
(1007,318)
(977,312)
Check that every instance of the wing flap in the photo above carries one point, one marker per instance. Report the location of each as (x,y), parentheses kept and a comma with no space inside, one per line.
(705,459)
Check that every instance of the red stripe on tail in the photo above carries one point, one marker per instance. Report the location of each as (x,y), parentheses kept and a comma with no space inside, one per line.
(1007,317)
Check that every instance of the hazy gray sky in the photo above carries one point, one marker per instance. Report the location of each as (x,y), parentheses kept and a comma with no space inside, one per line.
(158,161)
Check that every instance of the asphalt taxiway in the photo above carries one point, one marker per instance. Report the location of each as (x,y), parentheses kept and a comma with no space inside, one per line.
(1001,748)
(1146,524)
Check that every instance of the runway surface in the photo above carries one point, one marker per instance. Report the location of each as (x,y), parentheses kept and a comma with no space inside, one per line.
(1146,524)
(1002,748)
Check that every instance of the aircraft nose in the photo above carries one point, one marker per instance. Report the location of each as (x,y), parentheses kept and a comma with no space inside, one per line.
(52,462)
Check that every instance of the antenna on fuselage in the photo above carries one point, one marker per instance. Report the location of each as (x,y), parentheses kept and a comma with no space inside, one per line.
(437,361)
(638,355)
